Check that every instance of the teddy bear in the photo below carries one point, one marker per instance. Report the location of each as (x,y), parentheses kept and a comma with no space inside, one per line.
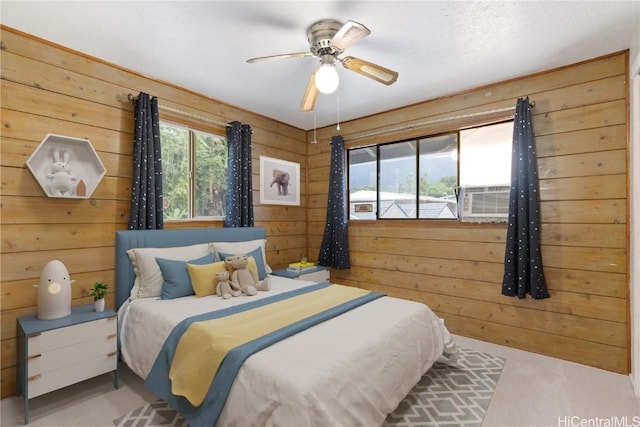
(60,176)
(225,288)
(245,278)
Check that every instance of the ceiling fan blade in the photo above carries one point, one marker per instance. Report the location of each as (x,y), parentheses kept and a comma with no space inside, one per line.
(285,55)
(310,95)
(350,33)
(369,69)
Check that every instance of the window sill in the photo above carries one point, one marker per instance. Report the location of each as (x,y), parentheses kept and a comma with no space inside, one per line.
(435,223)
(186,223)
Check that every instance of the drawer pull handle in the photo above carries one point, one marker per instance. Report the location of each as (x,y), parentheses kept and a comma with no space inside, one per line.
(35,356)
(112,336)
(113,353)
(37,334)
(35,377)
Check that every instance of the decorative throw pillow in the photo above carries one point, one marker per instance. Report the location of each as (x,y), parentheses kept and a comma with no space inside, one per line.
(148,282)
(242,248)
(203,277)
(176,282)
(258,261)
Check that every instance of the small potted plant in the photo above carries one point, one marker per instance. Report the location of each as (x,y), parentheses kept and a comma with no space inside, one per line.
(98,292)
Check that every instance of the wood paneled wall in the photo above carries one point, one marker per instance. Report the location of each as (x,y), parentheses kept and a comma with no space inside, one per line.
(580,121)
(50,89)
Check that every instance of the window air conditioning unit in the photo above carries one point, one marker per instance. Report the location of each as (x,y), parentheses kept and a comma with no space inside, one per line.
(484,201)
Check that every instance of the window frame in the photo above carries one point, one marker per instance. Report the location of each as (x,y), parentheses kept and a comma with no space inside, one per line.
(417,138)
(193,127)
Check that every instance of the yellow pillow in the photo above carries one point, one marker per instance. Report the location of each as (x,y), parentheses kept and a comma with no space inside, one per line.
(203,277)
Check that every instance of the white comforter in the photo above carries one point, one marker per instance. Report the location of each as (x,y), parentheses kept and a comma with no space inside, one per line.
(349,371)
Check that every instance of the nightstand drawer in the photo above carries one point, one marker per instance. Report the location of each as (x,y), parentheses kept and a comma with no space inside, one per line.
(315,276)
(63,337)
(71,355)
(53,380)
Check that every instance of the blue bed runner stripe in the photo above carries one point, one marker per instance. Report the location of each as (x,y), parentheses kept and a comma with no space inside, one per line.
(208,413)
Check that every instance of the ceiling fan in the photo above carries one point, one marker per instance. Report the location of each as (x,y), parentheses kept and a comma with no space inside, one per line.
(328,39)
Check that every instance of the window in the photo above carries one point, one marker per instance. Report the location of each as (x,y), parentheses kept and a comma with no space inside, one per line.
(363,176)
(485,155)
(194,169)
(418,178)
(408,179)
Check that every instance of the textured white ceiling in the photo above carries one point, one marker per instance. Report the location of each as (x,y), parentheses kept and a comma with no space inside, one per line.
(437,47)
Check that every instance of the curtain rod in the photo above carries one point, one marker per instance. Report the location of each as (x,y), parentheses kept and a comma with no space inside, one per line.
(132,98)
(532,104)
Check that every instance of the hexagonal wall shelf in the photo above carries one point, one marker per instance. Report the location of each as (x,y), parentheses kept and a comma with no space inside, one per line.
(66,167)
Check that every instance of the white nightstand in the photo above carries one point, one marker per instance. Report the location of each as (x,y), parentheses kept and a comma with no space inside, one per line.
(315,274)
(56,353)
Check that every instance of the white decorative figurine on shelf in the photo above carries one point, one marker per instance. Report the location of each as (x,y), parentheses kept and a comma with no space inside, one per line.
(62,181)
(54,291)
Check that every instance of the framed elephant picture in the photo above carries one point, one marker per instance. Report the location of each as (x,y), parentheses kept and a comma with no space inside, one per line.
(279,182)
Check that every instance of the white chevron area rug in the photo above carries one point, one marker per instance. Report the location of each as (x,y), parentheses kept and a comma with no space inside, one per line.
(447,395)
(451,394)
(154,414)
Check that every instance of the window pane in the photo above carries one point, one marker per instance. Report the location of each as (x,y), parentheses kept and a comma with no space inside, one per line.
(438,177)
(485,155)
(175,171)
(397,183)
(362,183)
(210,175)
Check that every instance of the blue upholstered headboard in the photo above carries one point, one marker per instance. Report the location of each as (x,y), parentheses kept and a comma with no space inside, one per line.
(127,239)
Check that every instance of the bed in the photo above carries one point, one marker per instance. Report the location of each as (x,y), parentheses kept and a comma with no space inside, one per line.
(351,369)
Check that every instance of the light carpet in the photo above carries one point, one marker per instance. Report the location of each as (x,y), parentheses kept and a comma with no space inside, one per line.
(449,394)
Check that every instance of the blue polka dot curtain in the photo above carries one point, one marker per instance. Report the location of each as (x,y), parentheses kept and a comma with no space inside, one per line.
(523,271)
(239,188)
(146,188)
(334,251)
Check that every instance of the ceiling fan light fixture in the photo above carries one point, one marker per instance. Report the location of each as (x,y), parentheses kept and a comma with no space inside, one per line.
(328,39)
(327,79)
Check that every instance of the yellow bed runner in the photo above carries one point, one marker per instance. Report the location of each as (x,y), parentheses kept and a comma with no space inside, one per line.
(205,344)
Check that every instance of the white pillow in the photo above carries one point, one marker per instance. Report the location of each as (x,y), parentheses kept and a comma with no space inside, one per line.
(242,248)
(148,281)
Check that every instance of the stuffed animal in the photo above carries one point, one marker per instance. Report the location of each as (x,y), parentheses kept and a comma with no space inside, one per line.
(245,278)
(225,288)
(60,176)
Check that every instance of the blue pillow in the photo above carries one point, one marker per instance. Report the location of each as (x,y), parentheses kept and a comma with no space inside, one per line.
(257,255)
(176,282)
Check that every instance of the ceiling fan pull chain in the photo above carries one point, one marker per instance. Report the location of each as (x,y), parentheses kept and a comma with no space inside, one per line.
(338,97)
(315,140)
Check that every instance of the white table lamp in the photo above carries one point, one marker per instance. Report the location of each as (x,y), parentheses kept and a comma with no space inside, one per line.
(54,291)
